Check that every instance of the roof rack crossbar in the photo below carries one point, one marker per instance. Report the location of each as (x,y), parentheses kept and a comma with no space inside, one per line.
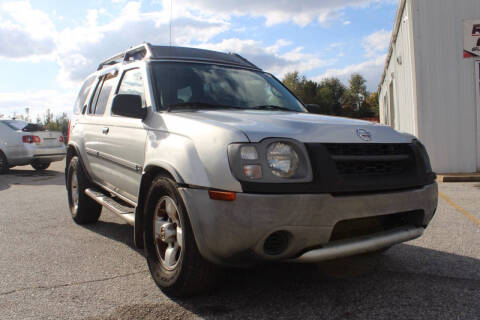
(112,60)
(127,54)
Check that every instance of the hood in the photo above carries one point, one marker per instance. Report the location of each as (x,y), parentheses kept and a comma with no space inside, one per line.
(305,127)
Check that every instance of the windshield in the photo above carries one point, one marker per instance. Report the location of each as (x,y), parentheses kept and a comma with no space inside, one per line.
(15,124)
(198,86)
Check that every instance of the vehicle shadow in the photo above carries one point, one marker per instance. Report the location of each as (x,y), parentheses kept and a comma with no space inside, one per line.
(120,232)
(406,282)
(409,282)
(31,177)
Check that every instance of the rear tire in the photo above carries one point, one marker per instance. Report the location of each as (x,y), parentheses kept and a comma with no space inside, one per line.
(3,163)
(83,208)
(37,165)
(182,271)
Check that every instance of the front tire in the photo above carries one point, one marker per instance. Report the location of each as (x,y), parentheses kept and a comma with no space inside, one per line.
(83,208)
(172,254)
(3,163)
(37,165)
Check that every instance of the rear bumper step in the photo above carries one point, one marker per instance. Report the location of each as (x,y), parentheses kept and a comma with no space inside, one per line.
(127,213)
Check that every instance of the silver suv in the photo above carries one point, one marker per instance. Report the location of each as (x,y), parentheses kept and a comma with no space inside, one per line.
(216,163)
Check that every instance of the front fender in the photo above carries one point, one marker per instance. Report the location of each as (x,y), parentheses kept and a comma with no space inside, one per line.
(190,161)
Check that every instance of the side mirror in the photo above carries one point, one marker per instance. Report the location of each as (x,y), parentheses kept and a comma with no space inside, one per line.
(312,108)
(128,105)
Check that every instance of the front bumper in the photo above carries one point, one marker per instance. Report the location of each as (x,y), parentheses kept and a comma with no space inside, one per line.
(233,233)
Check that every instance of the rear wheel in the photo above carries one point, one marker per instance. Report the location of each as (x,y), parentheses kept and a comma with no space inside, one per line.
(3,163)
(83,208)
(39,165)
(172,254)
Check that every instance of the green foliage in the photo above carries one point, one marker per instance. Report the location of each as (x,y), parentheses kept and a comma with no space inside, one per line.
(332,97)
(58,123)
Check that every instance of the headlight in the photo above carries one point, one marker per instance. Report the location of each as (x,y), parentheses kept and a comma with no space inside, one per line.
(272,160)
(282,159)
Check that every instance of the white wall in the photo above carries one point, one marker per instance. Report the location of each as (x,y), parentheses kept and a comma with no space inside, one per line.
(434,86)
(447,111)
(400,71)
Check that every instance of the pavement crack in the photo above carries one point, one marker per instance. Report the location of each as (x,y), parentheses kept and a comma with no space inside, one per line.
(70,284)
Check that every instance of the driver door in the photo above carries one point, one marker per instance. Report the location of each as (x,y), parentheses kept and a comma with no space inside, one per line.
(123,141)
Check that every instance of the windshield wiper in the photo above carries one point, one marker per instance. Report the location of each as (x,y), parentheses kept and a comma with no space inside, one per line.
(272,107)
(200,105)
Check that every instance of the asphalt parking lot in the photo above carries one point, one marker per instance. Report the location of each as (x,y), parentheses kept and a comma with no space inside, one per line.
(51,268)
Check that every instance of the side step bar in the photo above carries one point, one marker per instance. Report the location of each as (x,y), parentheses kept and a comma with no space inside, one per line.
(127,213)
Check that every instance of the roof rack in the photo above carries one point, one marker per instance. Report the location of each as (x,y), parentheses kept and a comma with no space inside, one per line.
(132,54)
(147,51)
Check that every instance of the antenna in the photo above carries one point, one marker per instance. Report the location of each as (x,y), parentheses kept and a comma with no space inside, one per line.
(171,5)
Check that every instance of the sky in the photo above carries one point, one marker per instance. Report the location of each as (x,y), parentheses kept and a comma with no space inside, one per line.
(48,47)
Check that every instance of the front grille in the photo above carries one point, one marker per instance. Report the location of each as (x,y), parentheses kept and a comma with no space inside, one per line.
(366,149)
(353,228)
(369,159)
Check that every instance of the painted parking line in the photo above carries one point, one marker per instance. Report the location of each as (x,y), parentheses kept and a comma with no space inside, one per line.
(460,209)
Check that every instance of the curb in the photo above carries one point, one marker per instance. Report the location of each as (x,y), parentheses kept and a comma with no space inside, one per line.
(459,177)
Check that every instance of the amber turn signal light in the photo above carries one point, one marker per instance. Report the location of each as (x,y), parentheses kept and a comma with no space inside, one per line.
(222,195)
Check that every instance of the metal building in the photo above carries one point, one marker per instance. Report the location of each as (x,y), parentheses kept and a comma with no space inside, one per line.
(431,83)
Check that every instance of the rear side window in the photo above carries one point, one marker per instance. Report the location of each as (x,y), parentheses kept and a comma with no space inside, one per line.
(132,83)
(15,124)
(100,99)
(82,95)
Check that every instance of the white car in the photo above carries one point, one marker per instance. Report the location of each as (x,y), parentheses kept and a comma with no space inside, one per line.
(23,143)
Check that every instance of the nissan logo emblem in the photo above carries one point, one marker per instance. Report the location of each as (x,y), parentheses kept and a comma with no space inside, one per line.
(364,134)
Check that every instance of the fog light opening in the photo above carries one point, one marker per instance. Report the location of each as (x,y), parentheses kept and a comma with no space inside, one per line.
(276,243)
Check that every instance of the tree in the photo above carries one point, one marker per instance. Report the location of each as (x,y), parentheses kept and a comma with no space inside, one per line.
(373,103)
(355,96)
(332,97)
(48,117)
(329,96)
(293,81)
(59,124)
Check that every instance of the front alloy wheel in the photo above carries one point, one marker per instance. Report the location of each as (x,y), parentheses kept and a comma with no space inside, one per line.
(168,233)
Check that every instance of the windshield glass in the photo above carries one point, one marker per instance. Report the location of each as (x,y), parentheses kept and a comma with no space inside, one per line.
(15,124)
(195,85)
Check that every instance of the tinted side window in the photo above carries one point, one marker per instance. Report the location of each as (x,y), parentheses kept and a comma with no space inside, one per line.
(82,95)
(132,83)
(94,98)
(104,94)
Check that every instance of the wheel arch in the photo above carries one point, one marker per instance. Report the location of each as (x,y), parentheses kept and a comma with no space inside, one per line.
(74,151)
(149,173)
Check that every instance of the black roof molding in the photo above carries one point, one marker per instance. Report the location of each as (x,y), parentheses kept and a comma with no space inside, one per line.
(147,51)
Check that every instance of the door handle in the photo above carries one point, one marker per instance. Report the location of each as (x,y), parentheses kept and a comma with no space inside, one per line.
(105,130)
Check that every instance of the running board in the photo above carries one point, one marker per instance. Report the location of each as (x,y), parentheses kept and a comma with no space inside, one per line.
(127,213)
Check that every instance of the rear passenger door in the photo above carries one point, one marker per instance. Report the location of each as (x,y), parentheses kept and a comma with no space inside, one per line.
(123,140)
(94,125)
